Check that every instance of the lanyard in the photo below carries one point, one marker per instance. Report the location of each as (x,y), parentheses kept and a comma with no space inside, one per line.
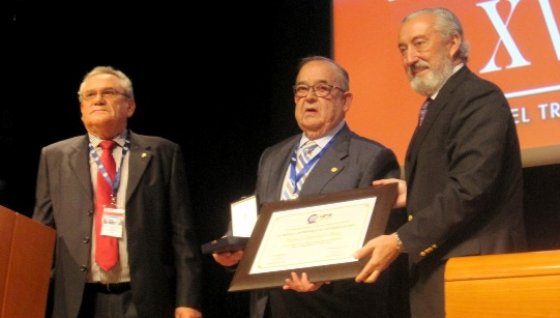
(296,177)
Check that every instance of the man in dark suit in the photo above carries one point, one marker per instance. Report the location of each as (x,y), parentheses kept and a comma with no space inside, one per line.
(463,190)
(341,161)
(157,269)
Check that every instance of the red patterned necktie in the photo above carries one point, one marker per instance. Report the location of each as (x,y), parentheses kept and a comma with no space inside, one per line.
(106,247)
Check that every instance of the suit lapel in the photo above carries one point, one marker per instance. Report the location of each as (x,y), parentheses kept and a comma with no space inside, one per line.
(139,158)
(281,162)
(434,110)
(330,165)
(79,165)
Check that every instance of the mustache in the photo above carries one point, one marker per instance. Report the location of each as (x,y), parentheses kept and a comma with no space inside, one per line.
(420,64)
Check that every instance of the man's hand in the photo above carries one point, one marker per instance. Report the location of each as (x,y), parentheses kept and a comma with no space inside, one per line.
(301,284)
(187,312)
(384,250)
(229,258)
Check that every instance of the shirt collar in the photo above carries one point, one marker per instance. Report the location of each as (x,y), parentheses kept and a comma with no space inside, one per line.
(94,140)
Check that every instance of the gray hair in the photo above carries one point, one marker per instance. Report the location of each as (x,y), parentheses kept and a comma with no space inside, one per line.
(125,82)
(343,73)
(447,24)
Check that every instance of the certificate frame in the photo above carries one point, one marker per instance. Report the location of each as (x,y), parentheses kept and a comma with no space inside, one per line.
(244,279)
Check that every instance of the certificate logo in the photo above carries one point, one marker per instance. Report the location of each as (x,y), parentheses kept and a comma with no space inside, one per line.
(314,218)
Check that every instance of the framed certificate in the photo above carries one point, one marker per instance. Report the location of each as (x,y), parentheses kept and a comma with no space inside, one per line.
(316,235)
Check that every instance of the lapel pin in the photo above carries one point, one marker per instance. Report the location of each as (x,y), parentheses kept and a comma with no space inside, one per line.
(144,155)
(334,169)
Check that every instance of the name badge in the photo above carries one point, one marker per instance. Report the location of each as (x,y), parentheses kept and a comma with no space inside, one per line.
(112,222)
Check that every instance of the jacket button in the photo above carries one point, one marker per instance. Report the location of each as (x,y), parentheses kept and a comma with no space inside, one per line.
(410,217)
(90,212)
(86,239)
(83,268)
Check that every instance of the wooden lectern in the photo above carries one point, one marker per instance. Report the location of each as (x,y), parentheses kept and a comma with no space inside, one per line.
(26,254)
(517,285)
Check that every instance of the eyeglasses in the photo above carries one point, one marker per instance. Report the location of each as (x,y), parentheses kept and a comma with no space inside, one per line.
(107,93)
(320,89)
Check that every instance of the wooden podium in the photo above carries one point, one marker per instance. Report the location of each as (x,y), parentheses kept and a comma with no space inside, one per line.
(504,285)
(26,254)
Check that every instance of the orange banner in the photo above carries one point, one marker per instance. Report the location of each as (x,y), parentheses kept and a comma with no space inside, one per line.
(513,43)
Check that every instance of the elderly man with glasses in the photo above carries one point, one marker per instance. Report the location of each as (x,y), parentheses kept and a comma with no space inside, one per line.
(334,159)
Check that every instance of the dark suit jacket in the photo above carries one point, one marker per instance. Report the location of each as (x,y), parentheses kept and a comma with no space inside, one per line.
(162,249)
(359,162)
(464,177)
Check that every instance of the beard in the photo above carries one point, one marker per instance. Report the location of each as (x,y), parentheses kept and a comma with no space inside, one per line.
(428,84)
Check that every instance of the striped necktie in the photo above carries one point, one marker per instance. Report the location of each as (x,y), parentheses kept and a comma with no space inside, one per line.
(423,111)
(304,155)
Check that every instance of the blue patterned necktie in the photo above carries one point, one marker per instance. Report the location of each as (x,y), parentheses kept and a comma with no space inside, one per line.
(304,155)
(423,111)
